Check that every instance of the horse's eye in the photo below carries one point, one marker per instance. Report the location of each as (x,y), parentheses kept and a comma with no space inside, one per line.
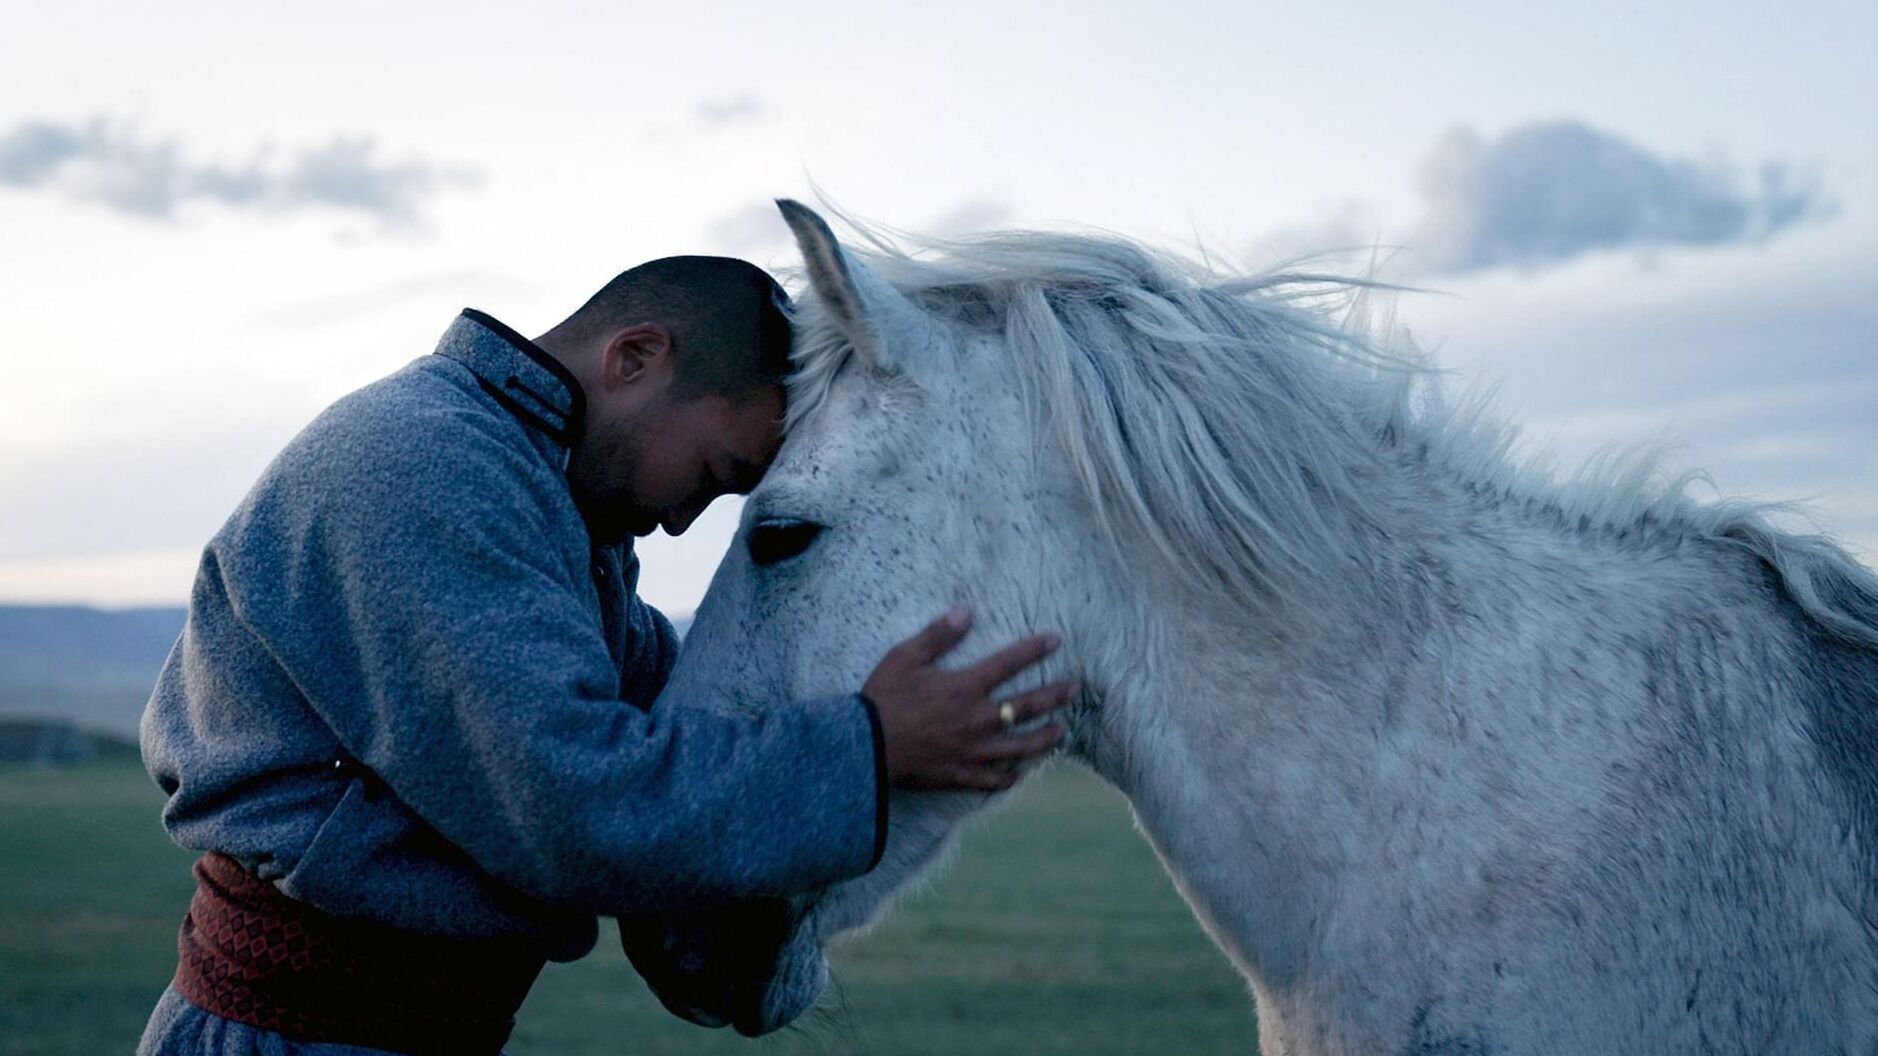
(774,541)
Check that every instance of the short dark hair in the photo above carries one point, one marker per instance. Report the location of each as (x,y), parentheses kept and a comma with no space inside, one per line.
(729,321)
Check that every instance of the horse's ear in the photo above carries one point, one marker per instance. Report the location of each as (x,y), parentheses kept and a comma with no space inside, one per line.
(863,305)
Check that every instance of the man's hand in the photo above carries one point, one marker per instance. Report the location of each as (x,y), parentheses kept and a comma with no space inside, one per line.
(942,729)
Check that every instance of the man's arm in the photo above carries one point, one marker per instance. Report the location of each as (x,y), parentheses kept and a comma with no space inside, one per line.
(432,621)
(653,645)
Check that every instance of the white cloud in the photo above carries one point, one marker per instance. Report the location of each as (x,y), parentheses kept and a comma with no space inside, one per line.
(758,229)
(111,165)
(748,231)
(729,109)
(1547,192)
(1349,229)
(973,215)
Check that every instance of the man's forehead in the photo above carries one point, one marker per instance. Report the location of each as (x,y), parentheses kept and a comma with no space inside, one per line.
(758,456)
(754,439)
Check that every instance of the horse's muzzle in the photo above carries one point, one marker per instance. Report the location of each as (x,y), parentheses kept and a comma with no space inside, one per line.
(749,966)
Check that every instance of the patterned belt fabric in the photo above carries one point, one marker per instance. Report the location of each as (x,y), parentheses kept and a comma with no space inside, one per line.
(255,956)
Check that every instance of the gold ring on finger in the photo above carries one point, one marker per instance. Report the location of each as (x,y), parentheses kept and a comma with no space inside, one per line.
(1007,714)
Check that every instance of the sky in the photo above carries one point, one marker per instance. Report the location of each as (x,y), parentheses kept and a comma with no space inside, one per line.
(1656,226)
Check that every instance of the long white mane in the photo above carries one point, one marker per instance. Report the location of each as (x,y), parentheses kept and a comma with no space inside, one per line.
(1220,422)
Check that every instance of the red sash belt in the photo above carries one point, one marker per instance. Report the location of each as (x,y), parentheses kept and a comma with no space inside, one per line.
(255,956)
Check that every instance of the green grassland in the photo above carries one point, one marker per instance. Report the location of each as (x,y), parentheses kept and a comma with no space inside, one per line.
(1056,932)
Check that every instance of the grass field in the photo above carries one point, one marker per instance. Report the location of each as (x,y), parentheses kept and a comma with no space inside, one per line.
(1056,932)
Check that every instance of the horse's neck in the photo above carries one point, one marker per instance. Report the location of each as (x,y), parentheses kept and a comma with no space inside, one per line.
(1463,701)
(1233,741)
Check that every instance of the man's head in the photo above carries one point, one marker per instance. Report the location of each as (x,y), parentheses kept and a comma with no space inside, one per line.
(683,361)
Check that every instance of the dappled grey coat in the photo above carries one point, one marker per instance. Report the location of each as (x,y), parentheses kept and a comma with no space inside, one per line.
(411,690)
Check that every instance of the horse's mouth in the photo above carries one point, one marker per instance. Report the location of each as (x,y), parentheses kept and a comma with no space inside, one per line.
(747,967)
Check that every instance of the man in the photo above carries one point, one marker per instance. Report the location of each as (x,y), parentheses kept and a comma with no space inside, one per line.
(410,719)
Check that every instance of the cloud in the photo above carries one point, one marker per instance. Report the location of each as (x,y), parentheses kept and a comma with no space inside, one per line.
(1350,231)
(1547,192)
(443,290)
(166,485)
(1761,376)
(970,217)
(729,109)
(748,231)
(111,165)
(758,229)
(709,117)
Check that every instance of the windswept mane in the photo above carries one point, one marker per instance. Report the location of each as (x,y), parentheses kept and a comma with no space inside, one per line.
(1222,422)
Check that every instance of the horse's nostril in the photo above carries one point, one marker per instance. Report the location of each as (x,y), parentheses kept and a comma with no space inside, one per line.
(779,540)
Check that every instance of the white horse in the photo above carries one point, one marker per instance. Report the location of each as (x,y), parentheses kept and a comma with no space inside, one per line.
(1447,758)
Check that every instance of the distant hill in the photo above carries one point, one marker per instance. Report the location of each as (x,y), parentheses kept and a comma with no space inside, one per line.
(43,645)
(56,742)
(90,667)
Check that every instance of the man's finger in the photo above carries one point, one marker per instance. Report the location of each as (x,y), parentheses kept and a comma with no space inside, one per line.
(1028,706)
(1036,703)
(1000,667)
(1018,747)
(937,638)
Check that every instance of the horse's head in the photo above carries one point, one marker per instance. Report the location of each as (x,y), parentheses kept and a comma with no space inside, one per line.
(1057,430)
(908,483)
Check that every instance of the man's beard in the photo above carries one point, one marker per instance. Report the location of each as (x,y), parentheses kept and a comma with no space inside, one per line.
(599,477)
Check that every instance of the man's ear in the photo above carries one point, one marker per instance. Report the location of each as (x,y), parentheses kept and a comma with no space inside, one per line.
(635,355)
